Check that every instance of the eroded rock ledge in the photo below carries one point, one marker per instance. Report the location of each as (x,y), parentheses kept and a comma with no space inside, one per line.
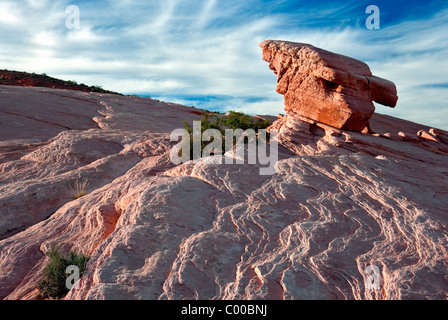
(340,202)
(327,87)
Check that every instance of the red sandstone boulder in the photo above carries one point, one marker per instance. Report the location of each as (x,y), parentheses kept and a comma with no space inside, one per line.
(327,87)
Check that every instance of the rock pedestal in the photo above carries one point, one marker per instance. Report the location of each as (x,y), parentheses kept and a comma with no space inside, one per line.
(327,87)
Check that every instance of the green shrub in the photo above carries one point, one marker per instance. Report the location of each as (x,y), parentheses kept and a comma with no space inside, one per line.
(53,284)
(239,120)
(233,120)
(96,88)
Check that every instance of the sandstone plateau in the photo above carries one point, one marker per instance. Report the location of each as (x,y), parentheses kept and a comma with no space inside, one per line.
(341,201)
(325,86)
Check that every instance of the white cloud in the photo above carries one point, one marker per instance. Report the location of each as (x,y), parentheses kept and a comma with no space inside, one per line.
(9,13)
(45,39)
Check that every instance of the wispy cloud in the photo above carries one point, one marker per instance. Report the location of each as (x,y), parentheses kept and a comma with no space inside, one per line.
(206,52)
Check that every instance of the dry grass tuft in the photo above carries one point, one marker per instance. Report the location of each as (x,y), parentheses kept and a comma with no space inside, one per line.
(80,188)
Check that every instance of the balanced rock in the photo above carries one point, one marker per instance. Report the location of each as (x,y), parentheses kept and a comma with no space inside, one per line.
(327,87)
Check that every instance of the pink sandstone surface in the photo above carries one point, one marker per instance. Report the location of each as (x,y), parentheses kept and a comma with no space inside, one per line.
(324,86)
(341,201)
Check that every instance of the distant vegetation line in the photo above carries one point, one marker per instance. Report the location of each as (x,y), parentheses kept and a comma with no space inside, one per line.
(25,79)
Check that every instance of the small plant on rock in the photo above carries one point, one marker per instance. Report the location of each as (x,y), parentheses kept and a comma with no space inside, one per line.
(232,120)
(80,188)
(54,283)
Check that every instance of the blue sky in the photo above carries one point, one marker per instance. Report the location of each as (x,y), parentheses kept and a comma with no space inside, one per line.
(205,53)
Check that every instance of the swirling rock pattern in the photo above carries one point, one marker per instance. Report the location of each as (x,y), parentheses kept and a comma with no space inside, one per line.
(341,201)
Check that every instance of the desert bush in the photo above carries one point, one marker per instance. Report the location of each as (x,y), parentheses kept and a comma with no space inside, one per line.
(96,88)
(53,284)
(233,120)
